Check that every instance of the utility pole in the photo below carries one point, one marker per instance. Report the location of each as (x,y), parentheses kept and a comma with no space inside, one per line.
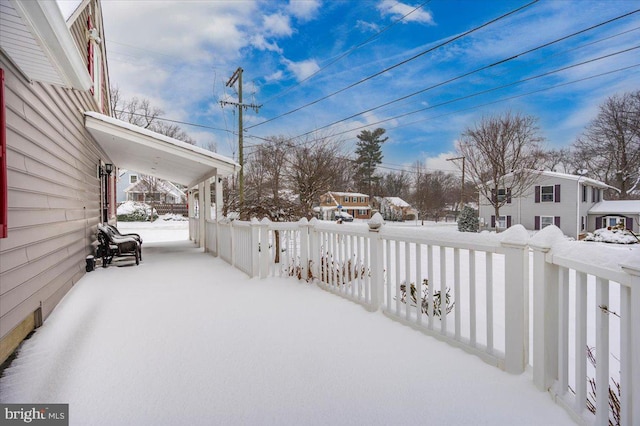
(462,188)
(237,77)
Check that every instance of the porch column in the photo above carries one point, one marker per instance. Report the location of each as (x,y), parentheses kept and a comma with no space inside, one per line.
(191,212)
(202,210)
(219,201)
(206,212)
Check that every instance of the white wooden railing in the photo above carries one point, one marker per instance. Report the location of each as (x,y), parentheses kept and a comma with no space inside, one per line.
(578,302)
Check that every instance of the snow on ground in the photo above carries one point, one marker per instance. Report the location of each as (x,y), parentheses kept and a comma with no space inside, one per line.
(185,338)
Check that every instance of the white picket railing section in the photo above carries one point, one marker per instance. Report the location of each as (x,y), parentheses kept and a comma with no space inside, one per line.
(585,317)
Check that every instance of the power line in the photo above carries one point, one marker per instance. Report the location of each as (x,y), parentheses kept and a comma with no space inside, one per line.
(472,107)
(424,52)
(174,121)
(483,68)
(488,90)
(348,52)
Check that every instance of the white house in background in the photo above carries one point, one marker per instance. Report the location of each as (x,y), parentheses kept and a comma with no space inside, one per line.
(133,186)
(395,208)
(614,212)
(554,198)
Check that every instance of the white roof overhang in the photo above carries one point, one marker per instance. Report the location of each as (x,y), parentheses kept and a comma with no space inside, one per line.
(34,35)
(135,148)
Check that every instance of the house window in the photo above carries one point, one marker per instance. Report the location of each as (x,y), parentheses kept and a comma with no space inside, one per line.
(362,212)
(133,178)
(613,221)
(546,221)
(346,199)
(4,201)
(502,222)
(546,193)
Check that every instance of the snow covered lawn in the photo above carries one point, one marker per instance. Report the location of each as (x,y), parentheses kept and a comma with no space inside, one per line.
(186,339)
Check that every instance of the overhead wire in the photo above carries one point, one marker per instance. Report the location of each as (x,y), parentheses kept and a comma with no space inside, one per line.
(347,53)
(403,62)
(483,68)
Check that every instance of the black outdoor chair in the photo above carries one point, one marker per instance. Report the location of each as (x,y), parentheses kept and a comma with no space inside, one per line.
(111,245)
(117,233)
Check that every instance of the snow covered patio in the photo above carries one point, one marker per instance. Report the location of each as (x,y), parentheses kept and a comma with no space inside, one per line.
(185,338)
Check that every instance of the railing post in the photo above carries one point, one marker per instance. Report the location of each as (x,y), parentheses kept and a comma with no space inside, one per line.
(545,308)
(377,261)
(314,249)
(514,242)
(264,247)
(303,226)
(630,348)
(255,247)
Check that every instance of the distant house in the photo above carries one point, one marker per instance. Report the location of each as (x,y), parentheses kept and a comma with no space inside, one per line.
(143,188)
(559,199)
(395,208)
(353,203)
(615,212)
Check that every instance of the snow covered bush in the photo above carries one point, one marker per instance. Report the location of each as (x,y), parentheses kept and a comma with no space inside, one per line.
(612,234)
(468,220)
(131,211)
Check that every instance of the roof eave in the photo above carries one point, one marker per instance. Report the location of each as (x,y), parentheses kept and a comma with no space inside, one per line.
(47,25)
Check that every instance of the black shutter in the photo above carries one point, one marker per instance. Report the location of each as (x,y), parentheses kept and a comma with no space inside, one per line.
(537,193)
(556,221)
(493,221)
(628,222)
(556,194)
(508,221)
(598,222)
(508,195)
(536,223)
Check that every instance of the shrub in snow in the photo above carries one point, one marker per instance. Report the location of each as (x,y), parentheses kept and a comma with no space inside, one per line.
(468,220)
(612,234)
(131,211)
(424,298)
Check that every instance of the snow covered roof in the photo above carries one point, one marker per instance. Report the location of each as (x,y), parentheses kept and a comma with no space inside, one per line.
(616,206)
(397,201)
(135,148)
(162,185)
(348,194)
(583,179)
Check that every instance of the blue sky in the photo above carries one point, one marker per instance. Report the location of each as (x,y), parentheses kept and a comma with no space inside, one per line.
(180,55)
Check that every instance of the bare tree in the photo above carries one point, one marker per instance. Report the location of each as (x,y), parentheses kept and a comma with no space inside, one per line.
(312,169)
(502,153)
(558,160)
(433,191)
(267,191)
(609,148)
(141,113)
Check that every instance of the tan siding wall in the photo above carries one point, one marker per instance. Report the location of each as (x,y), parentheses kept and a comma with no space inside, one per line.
(54,196)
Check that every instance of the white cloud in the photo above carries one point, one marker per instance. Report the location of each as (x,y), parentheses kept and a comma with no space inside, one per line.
(397,10)
(367,26)
(276,76)
(304,10)
(277,24)
(440,162)
(302,69)
(259,42)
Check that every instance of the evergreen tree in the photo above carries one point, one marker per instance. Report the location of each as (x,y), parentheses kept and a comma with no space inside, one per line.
(369,152)
(468,220)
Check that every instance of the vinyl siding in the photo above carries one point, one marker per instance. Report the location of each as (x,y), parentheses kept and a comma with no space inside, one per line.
(53,196)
